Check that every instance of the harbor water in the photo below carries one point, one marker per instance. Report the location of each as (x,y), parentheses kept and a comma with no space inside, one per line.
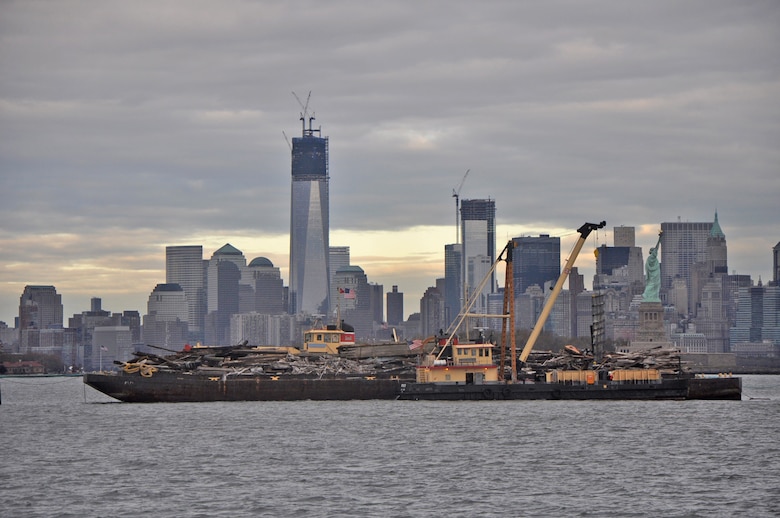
(68,450)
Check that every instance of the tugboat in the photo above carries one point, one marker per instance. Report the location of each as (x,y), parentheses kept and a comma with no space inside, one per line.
(469,372)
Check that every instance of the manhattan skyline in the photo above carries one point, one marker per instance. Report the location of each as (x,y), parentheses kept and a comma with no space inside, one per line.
(131,127)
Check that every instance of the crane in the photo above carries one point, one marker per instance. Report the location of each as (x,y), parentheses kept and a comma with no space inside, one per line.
(305,112)
(456,195)
(584,232)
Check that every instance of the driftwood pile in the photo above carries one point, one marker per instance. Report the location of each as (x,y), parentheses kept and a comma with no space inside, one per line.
(241,360)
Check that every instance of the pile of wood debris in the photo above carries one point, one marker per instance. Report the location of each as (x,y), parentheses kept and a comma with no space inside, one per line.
(663,359)
(242,360)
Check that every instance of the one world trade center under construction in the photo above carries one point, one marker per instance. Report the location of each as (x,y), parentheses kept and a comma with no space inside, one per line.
(309,223)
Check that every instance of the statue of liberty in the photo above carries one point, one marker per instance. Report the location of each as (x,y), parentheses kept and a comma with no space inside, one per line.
(653,275)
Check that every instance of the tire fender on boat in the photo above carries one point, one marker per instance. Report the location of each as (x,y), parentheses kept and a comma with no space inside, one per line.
(506,392)
(488,393)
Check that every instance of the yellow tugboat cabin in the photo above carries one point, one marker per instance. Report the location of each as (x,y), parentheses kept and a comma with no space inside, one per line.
(470,363)
(327,341)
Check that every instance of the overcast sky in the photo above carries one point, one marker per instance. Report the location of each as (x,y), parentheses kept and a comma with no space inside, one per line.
(129,126)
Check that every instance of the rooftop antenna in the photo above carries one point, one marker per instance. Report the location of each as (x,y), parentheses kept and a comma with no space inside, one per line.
(456,195)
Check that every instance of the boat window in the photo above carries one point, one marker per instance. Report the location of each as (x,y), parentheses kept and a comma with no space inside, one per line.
(473,352)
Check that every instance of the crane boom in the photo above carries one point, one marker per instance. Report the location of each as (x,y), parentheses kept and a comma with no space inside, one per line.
(456,195)
(584,231)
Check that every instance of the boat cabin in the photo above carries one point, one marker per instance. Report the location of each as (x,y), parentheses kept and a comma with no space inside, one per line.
(327,340)
(470,364)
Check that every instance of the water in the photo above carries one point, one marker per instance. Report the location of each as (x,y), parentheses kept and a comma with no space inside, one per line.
(67,450)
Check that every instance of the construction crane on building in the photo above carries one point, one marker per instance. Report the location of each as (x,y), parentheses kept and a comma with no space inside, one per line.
(305,112)
(456,195)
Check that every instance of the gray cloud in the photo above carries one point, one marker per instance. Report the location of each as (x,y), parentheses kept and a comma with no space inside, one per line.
(129,126)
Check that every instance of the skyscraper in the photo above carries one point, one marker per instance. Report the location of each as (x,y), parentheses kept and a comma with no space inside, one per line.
(338,258)
(40,314)
(395,307)
(309,223)
(268,286)
(165,321)
(225,270)
(453,282)
(40,307)
(758,316)
(683,244)
(432,310)
(537,261)
(478,229)
(352,301)
(184,266)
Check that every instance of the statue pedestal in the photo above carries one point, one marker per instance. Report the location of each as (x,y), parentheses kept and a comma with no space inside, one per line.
(651,332)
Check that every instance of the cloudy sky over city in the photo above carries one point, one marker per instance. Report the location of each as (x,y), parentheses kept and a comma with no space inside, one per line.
(129,126)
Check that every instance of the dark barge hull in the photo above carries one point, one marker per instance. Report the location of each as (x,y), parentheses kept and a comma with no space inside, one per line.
(171,387)
(666,389)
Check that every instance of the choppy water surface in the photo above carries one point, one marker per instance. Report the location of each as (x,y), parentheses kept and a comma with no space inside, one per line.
(69,451)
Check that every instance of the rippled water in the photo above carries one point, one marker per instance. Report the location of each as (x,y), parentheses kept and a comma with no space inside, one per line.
(69,451)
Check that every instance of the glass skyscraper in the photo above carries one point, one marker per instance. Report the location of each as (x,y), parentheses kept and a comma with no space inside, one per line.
(683,244)
(478,230)
(453,281)
(309,224)
(536,261)
(184,266)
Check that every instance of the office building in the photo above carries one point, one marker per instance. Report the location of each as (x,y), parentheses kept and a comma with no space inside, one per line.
(478,232)
(230,254)
(621,265)
(432,310)
(352,300)
(537,260)
(268,287)
(309,224)
(262,329)
(184,266)
(40,320)
(224,274)
(395,307)
(376,299)
(110,344)
(40,307)
(683,244)
(165,321)
(339,258)
(453,282)
(758,316)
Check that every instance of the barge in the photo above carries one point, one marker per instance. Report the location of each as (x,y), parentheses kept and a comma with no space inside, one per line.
(179,387)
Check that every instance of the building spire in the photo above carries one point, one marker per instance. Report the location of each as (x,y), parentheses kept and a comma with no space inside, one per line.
(716,231)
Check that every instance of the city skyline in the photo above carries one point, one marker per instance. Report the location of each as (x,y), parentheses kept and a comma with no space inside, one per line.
(167,131)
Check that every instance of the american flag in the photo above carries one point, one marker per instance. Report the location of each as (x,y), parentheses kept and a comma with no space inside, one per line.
(349,293)
(416,344)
